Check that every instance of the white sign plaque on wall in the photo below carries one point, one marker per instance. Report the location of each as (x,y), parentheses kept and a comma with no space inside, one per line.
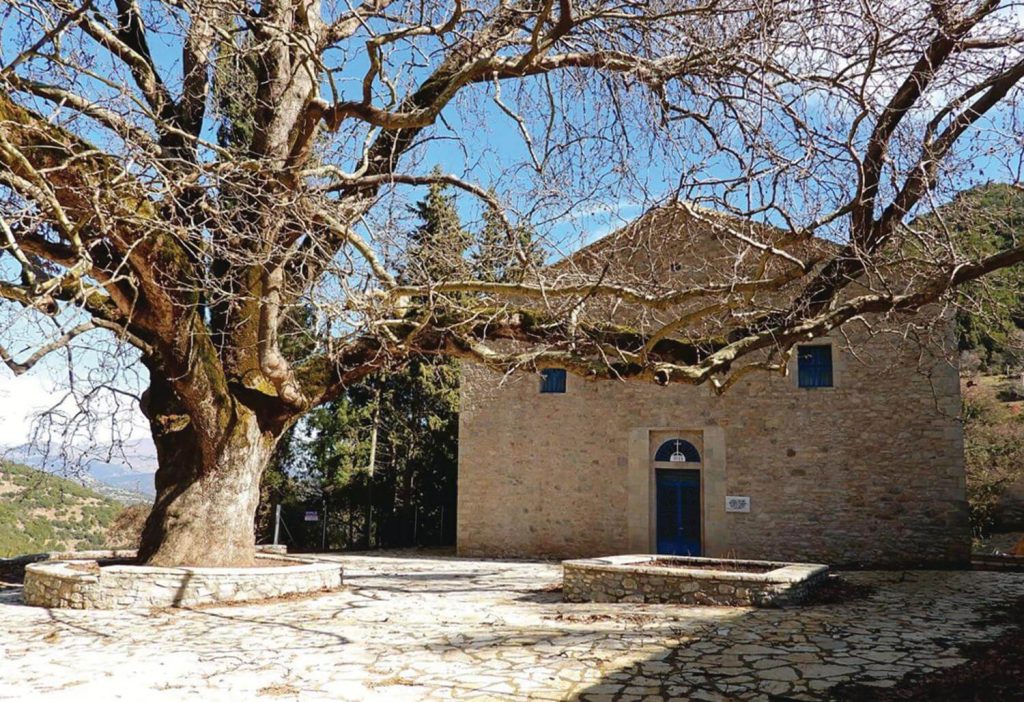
(737,503)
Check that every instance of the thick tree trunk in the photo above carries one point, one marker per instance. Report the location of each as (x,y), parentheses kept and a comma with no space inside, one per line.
(206,499)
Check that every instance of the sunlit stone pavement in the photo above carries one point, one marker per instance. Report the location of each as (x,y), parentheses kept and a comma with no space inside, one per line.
(426,628)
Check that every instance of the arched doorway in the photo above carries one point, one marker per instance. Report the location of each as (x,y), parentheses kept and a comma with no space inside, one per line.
(677,479)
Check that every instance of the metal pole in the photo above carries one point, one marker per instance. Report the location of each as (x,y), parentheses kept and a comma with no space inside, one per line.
(277,523)
(371,468)
(323,537)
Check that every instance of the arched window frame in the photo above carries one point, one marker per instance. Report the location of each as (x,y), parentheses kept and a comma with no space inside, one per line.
(670,447)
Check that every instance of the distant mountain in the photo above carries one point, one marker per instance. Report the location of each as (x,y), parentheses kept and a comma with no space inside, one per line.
(124,472)
(41,512)
(120,482)
(138,488)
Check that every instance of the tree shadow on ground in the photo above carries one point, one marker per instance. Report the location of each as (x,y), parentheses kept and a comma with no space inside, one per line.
(868,642)
(69,623)
(541,595)
(445,554)
(994,671)
(440,577)
(12,577)
(300,633)
(547,660)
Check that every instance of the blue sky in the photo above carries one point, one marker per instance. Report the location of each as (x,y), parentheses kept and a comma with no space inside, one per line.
(495,154)
(478,140)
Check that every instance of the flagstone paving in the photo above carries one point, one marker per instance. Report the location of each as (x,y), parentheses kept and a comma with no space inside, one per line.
(431,628)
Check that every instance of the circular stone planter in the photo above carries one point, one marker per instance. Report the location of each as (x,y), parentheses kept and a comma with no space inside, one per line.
(83,581)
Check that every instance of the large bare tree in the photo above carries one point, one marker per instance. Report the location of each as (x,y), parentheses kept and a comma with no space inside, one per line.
(204,180)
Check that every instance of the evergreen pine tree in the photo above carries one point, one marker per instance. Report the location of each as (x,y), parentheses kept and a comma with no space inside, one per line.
(437,250)
(495,259)
(409,476)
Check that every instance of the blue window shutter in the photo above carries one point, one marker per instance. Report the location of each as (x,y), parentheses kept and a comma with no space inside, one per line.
(552,380)
(814,366)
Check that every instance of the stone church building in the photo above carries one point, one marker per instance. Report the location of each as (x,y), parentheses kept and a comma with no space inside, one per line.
(855,456)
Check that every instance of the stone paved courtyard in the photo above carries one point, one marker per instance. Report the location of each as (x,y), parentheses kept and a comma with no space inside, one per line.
(431,628)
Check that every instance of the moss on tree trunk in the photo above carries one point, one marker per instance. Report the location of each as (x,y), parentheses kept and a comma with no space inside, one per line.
(207,494)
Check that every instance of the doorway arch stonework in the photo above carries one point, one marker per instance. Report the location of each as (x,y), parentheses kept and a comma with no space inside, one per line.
(710,443)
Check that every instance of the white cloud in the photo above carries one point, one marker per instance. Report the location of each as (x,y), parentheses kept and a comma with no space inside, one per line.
(23,398)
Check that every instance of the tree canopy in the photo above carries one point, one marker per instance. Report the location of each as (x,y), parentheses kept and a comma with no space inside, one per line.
(187,177)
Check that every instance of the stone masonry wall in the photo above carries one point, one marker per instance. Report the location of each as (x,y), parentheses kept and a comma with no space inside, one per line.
(85,585)
(589,581)
(868,472)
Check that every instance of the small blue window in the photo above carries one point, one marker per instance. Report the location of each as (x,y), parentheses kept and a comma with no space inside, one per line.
(552,380)
(814,366)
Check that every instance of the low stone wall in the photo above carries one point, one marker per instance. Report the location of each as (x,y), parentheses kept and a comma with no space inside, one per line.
(635,579)
(105,554)
(80,581)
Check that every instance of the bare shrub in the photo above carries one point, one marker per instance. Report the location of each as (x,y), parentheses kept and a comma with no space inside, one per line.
(126,529)
(994,452)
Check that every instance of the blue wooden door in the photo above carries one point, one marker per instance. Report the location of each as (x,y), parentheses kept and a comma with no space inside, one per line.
(678,512)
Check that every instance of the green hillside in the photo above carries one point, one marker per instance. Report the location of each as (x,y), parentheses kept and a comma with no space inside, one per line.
(42,512)
(985,220)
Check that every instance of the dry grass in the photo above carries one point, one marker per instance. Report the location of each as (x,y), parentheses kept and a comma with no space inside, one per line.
(391,681)
(278,690)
